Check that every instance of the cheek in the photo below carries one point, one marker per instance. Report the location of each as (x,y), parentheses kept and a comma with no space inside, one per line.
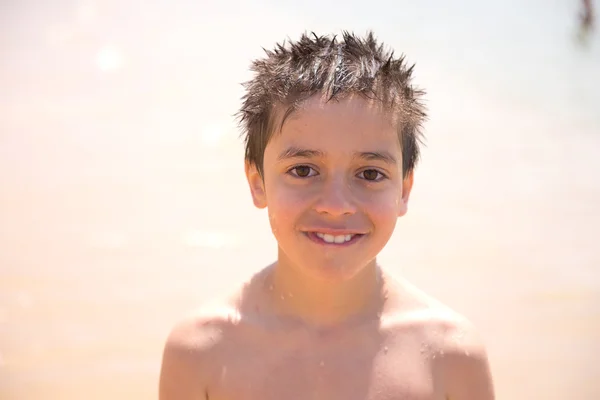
(386,213)
(284,204)
(383,207)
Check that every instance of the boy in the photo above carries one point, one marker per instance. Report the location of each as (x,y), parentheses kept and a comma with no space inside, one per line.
(332,130)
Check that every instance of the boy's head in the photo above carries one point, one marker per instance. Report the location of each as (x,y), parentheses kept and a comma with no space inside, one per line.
(332,132)
(331,69)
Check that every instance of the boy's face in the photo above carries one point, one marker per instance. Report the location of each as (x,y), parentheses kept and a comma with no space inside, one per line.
(333,186)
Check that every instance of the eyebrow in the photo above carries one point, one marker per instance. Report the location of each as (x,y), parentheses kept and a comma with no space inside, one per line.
(296,152)
(378,156)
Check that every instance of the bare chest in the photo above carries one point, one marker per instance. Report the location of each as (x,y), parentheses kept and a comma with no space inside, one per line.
(347,368)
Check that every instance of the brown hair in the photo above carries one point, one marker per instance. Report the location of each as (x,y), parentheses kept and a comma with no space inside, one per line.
(293,72)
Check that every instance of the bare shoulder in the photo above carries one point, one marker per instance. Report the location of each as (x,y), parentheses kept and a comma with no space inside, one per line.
(203,341)
(191,350)
(453,344)
(461,360)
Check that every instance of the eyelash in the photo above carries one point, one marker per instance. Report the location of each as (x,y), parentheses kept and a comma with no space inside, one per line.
(290,171)
(381,174)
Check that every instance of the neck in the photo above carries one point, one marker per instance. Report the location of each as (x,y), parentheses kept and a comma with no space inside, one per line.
(324,302)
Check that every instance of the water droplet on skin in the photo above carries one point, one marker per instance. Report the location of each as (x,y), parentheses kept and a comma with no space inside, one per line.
(271,287)
(290,295)
(385,350)
(426,351)
(322,363)
(459,336)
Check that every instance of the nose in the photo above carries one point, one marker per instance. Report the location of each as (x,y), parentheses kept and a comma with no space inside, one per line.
(335,198)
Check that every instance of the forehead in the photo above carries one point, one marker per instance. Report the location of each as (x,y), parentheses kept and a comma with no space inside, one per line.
(352,119)
(351,108)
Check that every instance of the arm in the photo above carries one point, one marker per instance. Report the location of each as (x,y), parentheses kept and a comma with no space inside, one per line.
(181,374)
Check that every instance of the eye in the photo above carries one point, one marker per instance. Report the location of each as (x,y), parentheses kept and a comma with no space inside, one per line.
(302,171)
(371,175)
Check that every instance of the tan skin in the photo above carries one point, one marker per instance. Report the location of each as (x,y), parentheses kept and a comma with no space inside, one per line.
(325,321)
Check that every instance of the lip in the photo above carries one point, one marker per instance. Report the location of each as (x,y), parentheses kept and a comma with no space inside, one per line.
(334,231)
(312,235)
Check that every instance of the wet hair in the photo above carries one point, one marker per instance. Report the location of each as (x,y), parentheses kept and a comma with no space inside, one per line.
(323,65)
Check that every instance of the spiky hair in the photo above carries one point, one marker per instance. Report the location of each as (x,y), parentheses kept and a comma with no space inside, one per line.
(323,65)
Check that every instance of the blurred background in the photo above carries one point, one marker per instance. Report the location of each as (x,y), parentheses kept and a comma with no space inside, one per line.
(123,202)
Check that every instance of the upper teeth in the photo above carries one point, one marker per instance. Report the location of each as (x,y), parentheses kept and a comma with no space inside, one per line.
(334,239)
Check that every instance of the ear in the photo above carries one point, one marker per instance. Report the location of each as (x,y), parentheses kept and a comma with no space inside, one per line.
(407,184)
(257,185)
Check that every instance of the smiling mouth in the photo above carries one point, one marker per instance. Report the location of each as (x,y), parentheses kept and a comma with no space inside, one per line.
(326,238)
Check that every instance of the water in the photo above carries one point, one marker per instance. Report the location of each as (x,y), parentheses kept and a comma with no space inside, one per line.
(123,201)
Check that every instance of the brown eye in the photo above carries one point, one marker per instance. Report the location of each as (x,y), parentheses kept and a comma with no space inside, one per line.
(301,171)
(371,175)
